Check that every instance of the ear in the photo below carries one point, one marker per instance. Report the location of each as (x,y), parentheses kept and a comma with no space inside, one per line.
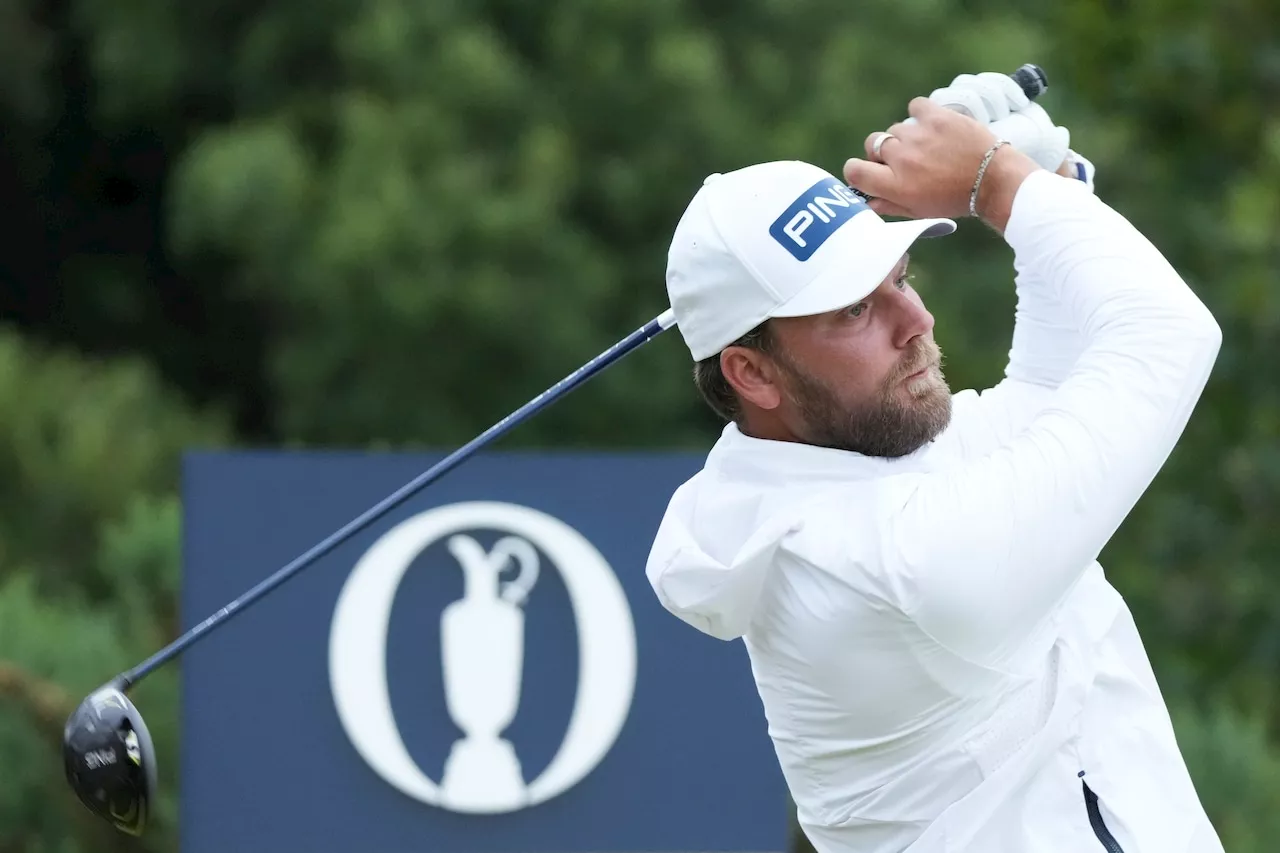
(753,375)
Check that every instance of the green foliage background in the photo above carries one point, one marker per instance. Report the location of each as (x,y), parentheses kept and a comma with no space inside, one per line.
(386,224)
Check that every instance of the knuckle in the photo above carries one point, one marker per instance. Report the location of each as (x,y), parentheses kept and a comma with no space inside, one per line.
(857,173)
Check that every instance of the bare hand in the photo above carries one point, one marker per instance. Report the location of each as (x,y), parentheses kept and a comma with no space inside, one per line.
(928,167)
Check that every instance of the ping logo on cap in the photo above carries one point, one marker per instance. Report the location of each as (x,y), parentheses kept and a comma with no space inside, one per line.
(814,216)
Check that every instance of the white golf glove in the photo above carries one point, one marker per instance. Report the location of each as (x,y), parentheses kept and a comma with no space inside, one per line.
(996,100)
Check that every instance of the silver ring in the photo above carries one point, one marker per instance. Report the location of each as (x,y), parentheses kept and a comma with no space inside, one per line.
(875,146)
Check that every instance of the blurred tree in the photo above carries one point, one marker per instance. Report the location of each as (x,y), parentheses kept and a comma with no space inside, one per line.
(430,212)
(89,570)
(81,444)
(386,223)
(1180,107)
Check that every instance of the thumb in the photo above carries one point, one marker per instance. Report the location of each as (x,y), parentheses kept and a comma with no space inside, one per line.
(888,208)
(875,179)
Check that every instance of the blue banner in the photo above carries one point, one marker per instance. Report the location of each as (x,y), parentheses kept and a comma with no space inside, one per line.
(485,670)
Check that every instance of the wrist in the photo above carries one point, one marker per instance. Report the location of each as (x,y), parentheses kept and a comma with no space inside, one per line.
(998,185)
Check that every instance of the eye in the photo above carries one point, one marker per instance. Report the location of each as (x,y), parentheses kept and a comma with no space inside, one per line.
(903,281)
(856,310)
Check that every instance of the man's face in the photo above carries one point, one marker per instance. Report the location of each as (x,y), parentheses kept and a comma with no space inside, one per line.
(866,378)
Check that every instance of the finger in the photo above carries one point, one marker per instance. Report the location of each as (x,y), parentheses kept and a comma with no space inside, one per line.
(905,123)
(873,179)
(905,130)
(922,109)
(992,93)
(1008,87)
(888,208)
(966,99)
(886,139)
(1021,130)
(869,144)
(899,132)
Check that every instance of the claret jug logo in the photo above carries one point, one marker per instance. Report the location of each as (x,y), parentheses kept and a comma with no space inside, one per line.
(482,640)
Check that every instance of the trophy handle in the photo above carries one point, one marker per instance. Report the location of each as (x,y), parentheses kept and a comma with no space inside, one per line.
(519,550)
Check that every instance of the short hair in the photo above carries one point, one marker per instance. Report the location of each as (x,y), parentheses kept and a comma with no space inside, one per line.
(710,379)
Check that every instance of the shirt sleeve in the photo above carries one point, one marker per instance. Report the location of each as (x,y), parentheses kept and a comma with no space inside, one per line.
(1046,343)
(982,551)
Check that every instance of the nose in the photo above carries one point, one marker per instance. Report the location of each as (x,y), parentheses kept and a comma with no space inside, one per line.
(913,319)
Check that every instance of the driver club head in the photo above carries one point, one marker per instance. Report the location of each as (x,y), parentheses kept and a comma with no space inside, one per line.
(109,759)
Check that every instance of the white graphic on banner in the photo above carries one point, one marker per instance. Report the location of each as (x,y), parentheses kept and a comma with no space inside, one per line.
(482,644)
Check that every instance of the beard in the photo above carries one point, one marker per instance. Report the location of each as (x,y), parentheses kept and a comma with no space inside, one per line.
(886,425)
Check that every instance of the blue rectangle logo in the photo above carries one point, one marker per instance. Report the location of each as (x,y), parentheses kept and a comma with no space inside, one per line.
(486,670)
(814,217)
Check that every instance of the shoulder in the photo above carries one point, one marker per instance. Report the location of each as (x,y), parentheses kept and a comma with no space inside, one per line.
(969,426)
(842,532)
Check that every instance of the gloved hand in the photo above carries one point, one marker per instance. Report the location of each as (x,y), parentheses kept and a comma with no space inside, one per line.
(997,101)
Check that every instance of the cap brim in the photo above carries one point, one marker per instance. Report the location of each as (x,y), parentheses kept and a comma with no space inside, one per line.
(859,266)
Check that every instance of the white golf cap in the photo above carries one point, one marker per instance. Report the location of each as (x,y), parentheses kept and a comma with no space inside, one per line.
(781,239)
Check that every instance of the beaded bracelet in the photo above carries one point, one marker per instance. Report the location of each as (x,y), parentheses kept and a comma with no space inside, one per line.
(982,170)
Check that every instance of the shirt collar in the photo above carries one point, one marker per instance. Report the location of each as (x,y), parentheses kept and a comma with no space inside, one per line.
(737,455)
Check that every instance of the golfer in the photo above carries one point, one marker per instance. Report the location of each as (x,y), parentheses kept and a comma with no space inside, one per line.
(942,663)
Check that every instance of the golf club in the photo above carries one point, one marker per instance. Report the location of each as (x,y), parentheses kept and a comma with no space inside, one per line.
(107,751)
(108,755)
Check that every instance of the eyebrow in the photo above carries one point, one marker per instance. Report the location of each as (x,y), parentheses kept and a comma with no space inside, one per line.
(897,271)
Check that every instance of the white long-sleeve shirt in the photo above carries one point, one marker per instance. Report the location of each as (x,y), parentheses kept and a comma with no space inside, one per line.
(942,664)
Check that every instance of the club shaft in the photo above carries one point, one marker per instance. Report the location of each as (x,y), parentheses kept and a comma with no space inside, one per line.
(634,340)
